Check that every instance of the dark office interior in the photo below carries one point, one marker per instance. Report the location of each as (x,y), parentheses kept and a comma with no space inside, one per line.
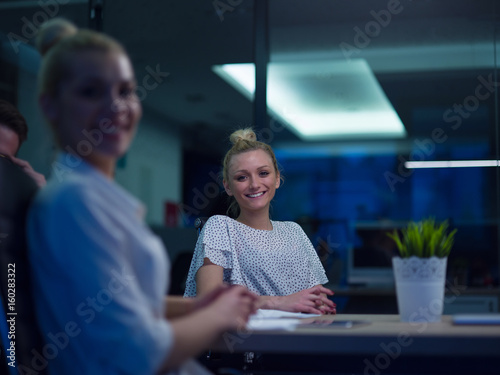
(434,63)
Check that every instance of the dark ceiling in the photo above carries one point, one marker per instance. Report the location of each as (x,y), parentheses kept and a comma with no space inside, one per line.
(185,38)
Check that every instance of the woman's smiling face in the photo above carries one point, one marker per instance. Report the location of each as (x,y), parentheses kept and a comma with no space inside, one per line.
(252,180)
(97,111)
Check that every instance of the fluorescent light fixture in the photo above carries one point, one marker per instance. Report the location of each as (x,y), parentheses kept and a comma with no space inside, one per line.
(325,100)
(452,164)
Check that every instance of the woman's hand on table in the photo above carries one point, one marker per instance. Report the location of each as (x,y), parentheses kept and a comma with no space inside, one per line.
(313,300)
(233,305)
(206,299)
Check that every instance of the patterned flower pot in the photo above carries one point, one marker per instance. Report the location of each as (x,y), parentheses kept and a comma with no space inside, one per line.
(420,286)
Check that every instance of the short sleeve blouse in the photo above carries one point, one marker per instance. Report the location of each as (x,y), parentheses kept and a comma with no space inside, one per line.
(277,262)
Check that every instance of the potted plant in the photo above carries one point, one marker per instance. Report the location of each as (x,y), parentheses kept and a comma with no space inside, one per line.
(420,272)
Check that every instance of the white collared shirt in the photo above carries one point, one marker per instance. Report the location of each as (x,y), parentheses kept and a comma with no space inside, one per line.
(100,276)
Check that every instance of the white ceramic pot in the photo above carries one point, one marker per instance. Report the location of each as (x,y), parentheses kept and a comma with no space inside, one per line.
(420,286)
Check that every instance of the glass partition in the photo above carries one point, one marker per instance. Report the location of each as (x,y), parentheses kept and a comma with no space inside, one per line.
(363,68)
(364,98)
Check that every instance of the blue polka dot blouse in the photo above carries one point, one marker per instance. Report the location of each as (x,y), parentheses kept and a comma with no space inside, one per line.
(275,262)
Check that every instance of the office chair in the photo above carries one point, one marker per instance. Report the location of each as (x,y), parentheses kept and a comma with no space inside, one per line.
(16,192)
(199,223)
(182,263)
(179,273)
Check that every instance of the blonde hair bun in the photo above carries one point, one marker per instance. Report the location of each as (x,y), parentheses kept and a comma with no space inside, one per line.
(52,32)
(242,135)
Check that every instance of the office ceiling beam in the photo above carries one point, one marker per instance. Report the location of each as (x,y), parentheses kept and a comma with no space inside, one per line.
(261,58)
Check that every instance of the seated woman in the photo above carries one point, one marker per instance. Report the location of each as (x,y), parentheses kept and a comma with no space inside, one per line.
(273,259)
(100,275)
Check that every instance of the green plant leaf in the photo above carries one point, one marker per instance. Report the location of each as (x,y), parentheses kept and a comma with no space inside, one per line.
(424,239)
(395,237)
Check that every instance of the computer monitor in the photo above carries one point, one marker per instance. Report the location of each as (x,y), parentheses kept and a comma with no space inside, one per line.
(370,256)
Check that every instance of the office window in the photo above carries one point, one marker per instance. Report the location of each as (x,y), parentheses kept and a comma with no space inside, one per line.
(433,66)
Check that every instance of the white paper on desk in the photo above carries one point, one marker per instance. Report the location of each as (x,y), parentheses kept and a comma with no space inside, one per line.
(269,314)
(276,319)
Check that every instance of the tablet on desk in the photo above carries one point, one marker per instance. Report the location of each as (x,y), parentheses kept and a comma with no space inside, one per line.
(476,319)
(341,323)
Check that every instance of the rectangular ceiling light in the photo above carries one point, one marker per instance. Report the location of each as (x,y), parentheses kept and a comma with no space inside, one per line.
(452,164)
(322,100)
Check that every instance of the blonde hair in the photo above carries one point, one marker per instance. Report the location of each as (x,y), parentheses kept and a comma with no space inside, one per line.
(244,140)
(58,40)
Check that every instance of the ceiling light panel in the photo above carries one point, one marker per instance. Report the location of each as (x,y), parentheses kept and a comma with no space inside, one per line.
(323,99)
